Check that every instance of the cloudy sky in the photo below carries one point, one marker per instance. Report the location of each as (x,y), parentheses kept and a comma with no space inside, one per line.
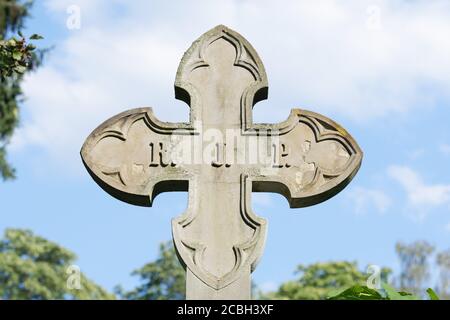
(379,68)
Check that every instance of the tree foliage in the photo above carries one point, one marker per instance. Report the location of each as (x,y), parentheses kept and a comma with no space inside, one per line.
(32,267)
(443,262)
(317,281)
(13,14)
(17,56)
(163,279)
(414,263)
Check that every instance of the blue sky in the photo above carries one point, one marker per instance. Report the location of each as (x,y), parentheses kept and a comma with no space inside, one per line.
(380,68)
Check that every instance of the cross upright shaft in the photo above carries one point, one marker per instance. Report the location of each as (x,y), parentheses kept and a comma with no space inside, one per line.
(220,157)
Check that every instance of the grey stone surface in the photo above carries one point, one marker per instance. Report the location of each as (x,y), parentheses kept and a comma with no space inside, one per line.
(220,157)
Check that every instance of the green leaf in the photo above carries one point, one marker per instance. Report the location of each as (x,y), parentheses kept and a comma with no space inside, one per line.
(392,294)
(334,293)
(17,55)
(432,294)
(36,37)
(358,292)
(20,69)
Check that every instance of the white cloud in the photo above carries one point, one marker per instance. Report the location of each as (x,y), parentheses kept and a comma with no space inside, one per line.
(364,199)
(94,75)
(320,55)
(421,196)
(447,227)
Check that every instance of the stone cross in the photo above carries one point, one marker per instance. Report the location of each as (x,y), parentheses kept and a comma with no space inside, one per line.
(220,157)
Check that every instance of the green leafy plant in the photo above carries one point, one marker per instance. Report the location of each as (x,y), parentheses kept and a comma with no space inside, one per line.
(387,292)
(432,294)
(318,281)
(17,55)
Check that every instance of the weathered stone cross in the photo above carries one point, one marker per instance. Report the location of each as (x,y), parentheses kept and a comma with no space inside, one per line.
(220,157)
